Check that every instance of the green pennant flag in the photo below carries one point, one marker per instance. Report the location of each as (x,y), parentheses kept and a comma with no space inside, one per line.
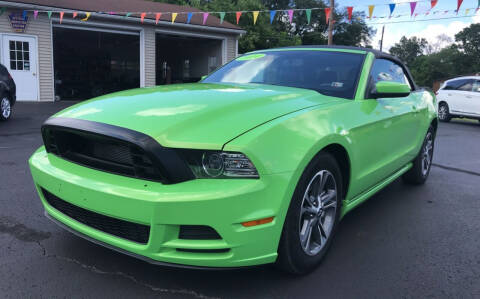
(49,13)
(3,9)
(128,14)
(222,16)
(309,15)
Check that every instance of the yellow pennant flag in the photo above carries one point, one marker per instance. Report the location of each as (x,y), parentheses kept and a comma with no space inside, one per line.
(370,10)
(87,15)
(255,16)
(174,16)
(467,11)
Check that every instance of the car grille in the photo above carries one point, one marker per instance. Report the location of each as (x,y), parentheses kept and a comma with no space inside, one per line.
(101,152)
(198,232)
(124,229)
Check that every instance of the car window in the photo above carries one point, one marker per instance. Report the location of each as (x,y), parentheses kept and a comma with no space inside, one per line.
(476,86)
(386,70)
(329,73)
(460,84)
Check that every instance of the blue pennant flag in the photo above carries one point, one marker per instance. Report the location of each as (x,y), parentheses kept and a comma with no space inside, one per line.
(392,8)
(189,17)
(24,15)
(272,15)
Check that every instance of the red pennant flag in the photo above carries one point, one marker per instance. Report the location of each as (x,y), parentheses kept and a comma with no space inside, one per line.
(327,14)
(75,14)
(433,3)
(157,17)
(459,3)
(238,14)
(350,11)
(61,16)
(142,16)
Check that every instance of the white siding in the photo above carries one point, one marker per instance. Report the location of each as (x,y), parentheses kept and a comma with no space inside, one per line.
(231,48)
(41,28)
(149,56)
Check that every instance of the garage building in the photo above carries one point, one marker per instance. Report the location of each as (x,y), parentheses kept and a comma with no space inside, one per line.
(53,58)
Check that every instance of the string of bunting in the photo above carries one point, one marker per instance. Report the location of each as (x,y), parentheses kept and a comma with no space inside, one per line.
(288,13)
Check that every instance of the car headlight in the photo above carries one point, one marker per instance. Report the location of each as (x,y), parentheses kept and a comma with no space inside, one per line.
(218,164)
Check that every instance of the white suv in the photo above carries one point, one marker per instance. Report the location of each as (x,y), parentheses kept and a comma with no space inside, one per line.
(459,97)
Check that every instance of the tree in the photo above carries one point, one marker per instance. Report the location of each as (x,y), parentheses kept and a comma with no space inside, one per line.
(408,49)
(469,39)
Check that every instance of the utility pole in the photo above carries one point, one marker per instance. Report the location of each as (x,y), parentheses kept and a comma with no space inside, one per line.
(330,23)
(381,40)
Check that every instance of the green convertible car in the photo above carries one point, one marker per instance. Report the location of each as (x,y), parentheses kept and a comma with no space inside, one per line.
(255,164)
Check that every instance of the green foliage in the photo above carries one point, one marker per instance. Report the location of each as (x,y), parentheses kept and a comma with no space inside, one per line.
(408,49)
(281,33)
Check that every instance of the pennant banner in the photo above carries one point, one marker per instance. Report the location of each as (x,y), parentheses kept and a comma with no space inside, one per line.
(158,15)
(392,8)
(61,16)
(174,16)
(222,16)
(49,13)
(189,17)
(2,10)
(205,17)
(255,16)
(350,12)
(290,15)
(142,16)
(87,15)
(370,10)
(412,7)
(35,14)
(308,12)
(433,3)
(272,15)
(238,14)
(74,15)
(327,14)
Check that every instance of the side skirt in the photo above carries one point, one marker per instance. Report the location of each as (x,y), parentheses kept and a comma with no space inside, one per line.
(355,202)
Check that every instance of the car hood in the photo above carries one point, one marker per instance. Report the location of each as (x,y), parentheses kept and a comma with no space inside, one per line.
(200,115)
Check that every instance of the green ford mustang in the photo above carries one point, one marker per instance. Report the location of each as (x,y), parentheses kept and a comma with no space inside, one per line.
(255,164)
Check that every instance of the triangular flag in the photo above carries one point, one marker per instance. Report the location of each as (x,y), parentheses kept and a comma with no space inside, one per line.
(308,12)
(370,10)
(433,3)
(467,11)
(350,12)
(2,10)
(49,13)
(35,14)
(128,14)
(142,16)
(392,8)
(222,16)
(327,14)
(24,14)
(87,15)
(290,15)
(74,14)
(459,3)
(412,7)
(189,17)
(205,17)
(272,15)
(255,16)
(157,17)
(238,14)
(174,16)
(61,16)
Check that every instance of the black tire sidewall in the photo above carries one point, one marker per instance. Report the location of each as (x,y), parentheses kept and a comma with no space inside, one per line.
(290,248)
(447,116)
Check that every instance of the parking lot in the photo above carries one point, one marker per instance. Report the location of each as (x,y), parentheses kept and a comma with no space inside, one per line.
(404,242)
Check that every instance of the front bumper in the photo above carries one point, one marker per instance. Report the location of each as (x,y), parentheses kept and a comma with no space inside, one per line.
(220,204)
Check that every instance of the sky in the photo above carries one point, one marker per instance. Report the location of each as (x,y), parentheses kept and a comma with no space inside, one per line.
(428,29)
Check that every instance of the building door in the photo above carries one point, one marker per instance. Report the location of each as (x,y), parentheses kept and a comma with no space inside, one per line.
(20,58)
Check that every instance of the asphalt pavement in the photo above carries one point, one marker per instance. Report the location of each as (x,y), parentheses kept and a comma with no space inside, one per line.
(405,242)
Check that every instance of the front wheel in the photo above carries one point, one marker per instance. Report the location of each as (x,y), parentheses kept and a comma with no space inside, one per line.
(423,162)
(5,108)
(444,112)
(312,217)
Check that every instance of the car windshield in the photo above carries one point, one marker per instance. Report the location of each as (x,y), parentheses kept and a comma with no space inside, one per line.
(327,72)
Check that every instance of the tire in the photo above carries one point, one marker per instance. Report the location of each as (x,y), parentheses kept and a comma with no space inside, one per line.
(5,108)
(422,164)
(444,112)
(295,256)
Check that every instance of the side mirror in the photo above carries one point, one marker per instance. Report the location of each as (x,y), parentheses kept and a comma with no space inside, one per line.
(389,89)
(203,77)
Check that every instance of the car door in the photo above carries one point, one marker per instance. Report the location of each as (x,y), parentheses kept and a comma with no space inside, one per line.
(390,134)
(458,94)
(473,100)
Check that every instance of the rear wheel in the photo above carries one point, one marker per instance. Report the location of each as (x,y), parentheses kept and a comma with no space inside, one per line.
(444,112)
(423,162)
(5,108)
(312,217)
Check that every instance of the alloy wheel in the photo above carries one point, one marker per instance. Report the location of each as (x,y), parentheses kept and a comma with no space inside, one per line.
(5,108)
(427,154)
(317,213)
(442,112)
